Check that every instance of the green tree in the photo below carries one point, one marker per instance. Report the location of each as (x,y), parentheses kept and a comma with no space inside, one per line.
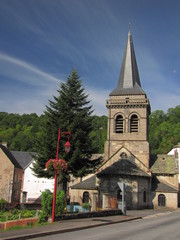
(164,130)
(98,134)
(69,111)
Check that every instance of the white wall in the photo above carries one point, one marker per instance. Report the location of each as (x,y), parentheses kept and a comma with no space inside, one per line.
(35,186)
(172,152)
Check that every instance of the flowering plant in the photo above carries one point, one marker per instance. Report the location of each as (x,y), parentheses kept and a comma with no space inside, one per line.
(59,165)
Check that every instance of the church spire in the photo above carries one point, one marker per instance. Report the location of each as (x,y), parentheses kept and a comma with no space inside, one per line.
(129,81)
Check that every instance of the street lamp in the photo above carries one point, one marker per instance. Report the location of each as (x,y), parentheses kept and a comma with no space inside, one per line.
(59,165)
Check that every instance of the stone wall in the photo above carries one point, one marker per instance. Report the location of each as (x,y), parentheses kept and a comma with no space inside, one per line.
(17,185)
(89,214)
(136,142)
(171,180)
(6,177)
(76,195)
(134,191)
(171,200)
(20,222)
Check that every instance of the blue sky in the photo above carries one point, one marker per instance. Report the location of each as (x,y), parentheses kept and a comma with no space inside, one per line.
(42,40)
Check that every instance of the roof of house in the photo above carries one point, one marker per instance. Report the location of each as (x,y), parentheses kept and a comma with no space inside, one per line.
(123,167)
(89,184)
(10,156)
(158,186)
(165,164)
(129,81)
(23,158)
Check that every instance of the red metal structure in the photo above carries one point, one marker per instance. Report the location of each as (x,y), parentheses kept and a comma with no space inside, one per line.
(58,165)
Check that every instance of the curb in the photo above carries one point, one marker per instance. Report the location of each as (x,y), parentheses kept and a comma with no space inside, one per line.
(41,234)
(157,215)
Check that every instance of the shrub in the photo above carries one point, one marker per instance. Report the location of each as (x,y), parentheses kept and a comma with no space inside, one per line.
(42,218)
(2,218)
(47,201)
(60,202)
(28,213)
(86,206)
(15,211)
(4,205)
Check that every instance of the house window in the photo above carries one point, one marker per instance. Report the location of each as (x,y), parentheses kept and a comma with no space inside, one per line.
(119,124)
(24,197)
(134,123)
(86,197)
(144,196)
(162,200)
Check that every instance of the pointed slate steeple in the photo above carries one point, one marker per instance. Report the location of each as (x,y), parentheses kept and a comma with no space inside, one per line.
(129,81)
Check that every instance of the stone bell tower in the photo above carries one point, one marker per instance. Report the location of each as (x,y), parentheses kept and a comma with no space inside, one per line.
(128,112)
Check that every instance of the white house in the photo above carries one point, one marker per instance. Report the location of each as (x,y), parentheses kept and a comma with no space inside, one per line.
(32,186)
(176,151)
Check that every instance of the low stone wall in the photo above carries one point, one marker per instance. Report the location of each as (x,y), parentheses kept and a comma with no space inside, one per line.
(20,222)
(102,213)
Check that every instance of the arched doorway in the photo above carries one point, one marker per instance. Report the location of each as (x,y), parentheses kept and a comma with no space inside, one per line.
(86,197)
(162,200)
(119,198)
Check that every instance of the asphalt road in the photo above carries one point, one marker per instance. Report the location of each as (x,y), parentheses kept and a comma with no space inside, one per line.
(165,227)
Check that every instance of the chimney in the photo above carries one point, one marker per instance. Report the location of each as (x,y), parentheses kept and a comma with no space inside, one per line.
(4,144)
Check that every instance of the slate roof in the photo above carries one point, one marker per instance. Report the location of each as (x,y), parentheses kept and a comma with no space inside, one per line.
(158,186)
(10,156)
(23,158)
(165,164)
(129,81)
(123,167)
(88,184)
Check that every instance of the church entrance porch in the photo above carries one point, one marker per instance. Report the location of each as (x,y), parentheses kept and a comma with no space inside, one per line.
(135,195)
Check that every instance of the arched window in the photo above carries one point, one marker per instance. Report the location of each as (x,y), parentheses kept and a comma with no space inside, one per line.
(162,200)
(123,155)
(134,123)
(144,196)
(119,128)
(86,197)
(119,195)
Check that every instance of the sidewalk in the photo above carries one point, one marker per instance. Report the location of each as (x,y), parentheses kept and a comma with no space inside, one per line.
(78,224)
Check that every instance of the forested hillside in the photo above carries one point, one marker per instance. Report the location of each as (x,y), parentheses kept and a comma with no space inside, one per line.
(164,132)
(22,131)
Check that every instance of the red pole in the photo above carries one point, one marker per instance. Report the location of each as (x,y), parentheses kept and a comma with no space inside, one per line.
(55,180)
(54,197)
(59,133)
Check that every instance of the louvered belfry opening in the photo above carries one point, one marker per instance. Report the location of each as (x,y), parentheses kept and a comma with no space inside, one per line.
(134,123)
(119,124)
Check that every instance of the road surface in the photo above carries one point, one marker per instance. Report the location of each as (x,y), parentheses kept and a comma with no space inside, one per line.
(162,226)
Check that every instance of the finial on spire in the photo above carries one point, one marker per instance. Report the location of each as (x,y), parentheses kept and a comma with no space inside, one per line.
(129,26)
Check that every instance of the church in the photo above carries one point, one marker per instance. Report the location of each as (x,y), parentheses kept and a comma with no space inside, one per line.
(127,178)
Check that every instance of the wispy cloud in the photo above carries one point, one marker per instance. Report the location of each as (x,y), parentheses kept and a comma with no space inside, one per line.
(23,71)
(98,99)
(42,40)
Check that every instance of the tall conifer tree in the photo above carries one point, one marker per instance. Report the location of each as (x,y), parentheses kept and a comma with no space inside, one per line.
(69,111)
